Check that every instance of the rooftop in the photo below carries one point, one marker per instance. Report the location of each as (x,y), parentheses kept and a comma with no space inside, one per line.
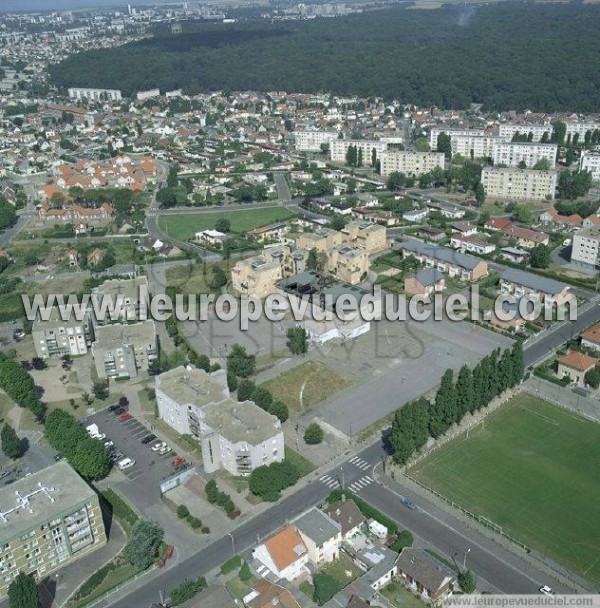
(286,547)
(578,361)
(54,321)
(135,334)
(317,526)
(442,254)
(533,281)
(192,385)
(129,288)
(592,334)
(34,500)
(423,568)
(345,513)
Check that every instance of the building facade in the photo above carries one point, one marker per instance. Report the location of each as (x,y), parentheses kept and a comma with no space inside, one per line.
(512,154)
(525,184)
(56,337)
(452,132)
(586,248)
(47,520)
(411,163)
(95,94)
(311,141)
(590,161)
(338,148)
(535,131)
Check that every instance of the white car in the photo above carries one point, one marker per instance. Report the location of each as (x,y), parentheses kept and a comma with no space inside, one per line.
(98,436)
(546,590)
(126,463)
(108,444)
(164,449)
(158,446)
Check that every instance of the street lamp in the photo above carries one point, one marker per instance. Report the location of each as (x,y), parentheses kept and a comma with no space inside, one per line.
(232,542)
(465,559)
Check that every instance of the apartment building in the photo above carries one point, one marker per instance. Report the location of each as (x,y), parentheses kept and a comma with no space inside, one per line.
(411,163)
(47,520)
(452,132)
(586,248)
(512,154)
(348,264)
(372,238)
(520,284)
(338,148)
(128,298)
(237,437)
(124,350)
(453,263)
(525,184)
(537,131)
(311,141)
(321,239)
(56,337)
(580,129)
(80,93)
(474,146)
(590,161)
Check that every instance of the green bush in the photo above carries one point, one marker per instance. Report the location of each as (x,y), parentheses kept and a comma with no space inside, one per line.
(405,539)
(245,574)
(231,564)
(313,434)
(120,509)
(194,522)
(183,512)
(186,591)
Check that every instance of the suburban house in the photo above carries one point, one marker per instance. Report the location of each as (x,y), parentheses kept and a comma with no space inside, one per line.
(214,238)
(73,257)
(422,572)
(551,216)
(575,365)
(425,282)
(284,554)
(215,596)
(591,337)
(272,231)
(520,283)
(379,563)
(471,244)
(455,264)
(592,221)
(348,515)
(464,228)
(514,254)
(497,223)
(321,535)
(416,215)
(76,213)
(525,237)
(266,594)
(431,234)
(95,256)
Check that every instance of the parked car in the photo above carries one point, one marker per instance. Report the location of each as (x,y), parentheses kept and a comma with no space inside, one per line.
(118,410)
(58,457)
(164,450)
(158,446)
(116,456)
(125,464)
(148,438)
(109,444)
(113,408)
(178,460)
(407,502)
(546,590)
(125,416)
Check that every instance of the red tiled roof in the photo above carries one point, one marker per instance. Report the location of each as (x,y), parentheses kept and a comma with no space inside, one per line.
(578,361)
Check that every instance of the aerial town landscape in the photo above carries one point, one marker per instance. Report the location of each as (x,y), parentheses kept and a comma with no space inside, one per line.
(292,320)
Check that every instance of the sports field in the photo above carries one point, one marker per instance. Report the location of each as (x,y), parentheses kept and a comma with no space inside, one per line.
(533,469)
(185,225)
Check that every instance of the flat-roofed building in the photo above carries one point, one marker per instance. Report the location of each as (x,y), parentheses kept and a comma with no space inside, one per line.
(348,264)
(131,294)
(311,141)
(237,437)
(512,154)
(585,251)
(411,163)
(372,238)
(124,350)
(473,146)
(320,239)
(55,337)
(338,148)
(452,132)
(80,93)
(511,182)
(508,130)
(47,520)
(590,161)
(580,128)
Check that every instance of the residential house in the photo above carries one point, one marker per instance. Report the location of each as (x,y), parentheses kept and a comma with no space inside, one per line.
(590,338)
(284,554)
(525,237)
(266,594)
(73,258)
(513,254)
(431,234)
(472,245)
(95,257)
(380,565)
(551,216)
(575,365)
(592,221)
(424,573)
(449,211)
(214,238)
(520,283)
(425,282)
(348,515)
(270,232)
(464,228)
(320,534)
(416,215)
(497,223)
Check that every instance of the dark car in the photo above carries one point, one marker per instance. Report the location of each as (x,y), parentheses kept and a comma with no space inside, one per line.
(148,438)
(407,502)
(58,457)
(118,410)
(113,408)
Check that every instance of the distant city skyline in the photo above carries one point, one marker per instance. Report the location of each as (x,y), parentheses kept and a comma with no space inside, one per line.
(49,5)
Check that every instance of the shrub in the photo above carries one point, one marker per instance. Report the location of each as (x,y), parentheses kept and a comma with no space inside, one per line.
(245,574)
(212,491)
(405,539)
(194,522)
(187,590)
(141,548)
(231,564)
(245,388)
(325,588)
(183,512)
(313,434)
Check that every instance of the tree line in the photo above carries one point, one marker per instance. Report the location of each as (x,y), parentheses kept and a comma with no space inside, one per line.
(470,391)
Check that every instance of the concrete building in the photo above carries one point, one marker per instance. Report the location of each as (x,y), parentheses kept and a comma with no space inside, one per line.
(474,146)
(320,239)
(124,350)
(348,264)
(56,337)
(512,154)
(149,94)
(237,437)
(411,163)
(284,554)
(575,365)
(471,244)
(371,238)
(311,141)
(526,184)
(129,296)
(79,93)
(47,520)
(452,132)
(590,161)
(508,131)
(321,535)
(338,149)
(586,248)
(580,128)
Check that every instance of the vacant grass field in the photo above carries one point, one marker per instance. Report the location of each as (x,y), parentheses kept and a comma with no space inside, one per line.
(304,386)
(184,226)
(531,468)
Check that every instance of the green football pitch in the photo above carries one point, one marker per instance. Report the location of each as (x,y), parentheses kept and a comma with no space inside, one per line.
(533,469)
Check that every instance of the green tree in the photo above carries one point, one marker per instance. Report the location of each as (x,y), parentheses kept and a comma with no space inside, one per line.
(480,194)
(337,223)
(262,397)
(23,592)
(422,145)
(522,213)
(280,409)
(11,444)
(212,491)
(559,130)
(444,144)
(240,363)
(218,278)
(100,390)
(539,256)
(223,225)
(140,550)
(442,414)
(466,581)
(396,181)
(244,573)
(313,434)
(311,259)
(404,539)
(186,591)
(543,165)
(183,512)
(297,340)
(245,388)
(268,481)
(464,392)
(325,587)
(592,377)
(91,459)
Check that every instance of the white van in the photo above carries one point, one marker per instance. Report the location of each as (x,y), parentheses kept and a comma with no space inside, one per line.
(126,463)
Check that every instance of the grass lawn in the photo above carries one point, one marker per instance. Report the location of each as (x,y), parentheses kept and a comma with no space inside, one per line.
(303,465)
(342,570)
(190,279)
(238,588)
(531,468)
(120,574)
(304,386)
(184,226)
(401,597)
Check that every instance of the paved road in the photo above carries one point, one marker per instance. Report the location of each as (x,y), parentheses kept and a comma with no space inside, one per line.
(283,188)
(23,219)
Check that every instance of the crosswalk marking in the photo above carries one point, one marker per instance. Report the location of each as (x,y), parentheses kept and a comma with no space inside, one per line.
(363,465)
(360,484)
(329,481)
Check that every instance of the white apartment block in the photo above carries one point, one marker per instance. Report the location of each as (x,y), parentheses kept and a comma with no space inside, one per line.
(128,298)
(95,94)
(586,248)
(237,437)
(411,163)
(124,350)
(590,161)
(525,184)
(513,153)
(339,147)
(149,94)
(452,132)
(310,141)
(56,337)
(473,146)
(508,131)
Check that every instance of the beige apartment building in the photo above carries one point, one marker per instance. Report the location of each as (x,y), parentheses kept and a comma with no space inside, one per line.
(525,184)
(56,337)
(124,350)
(512,154)
(508,130)
(131,294)
(372,238)
(321,239)
(347,263)
(586,248)
(452,132)
(338,148)
(411,163)
(47,520)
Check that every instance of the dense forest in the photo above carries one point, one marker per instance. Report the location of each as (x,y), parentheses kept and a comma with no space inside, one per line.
(507,56)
